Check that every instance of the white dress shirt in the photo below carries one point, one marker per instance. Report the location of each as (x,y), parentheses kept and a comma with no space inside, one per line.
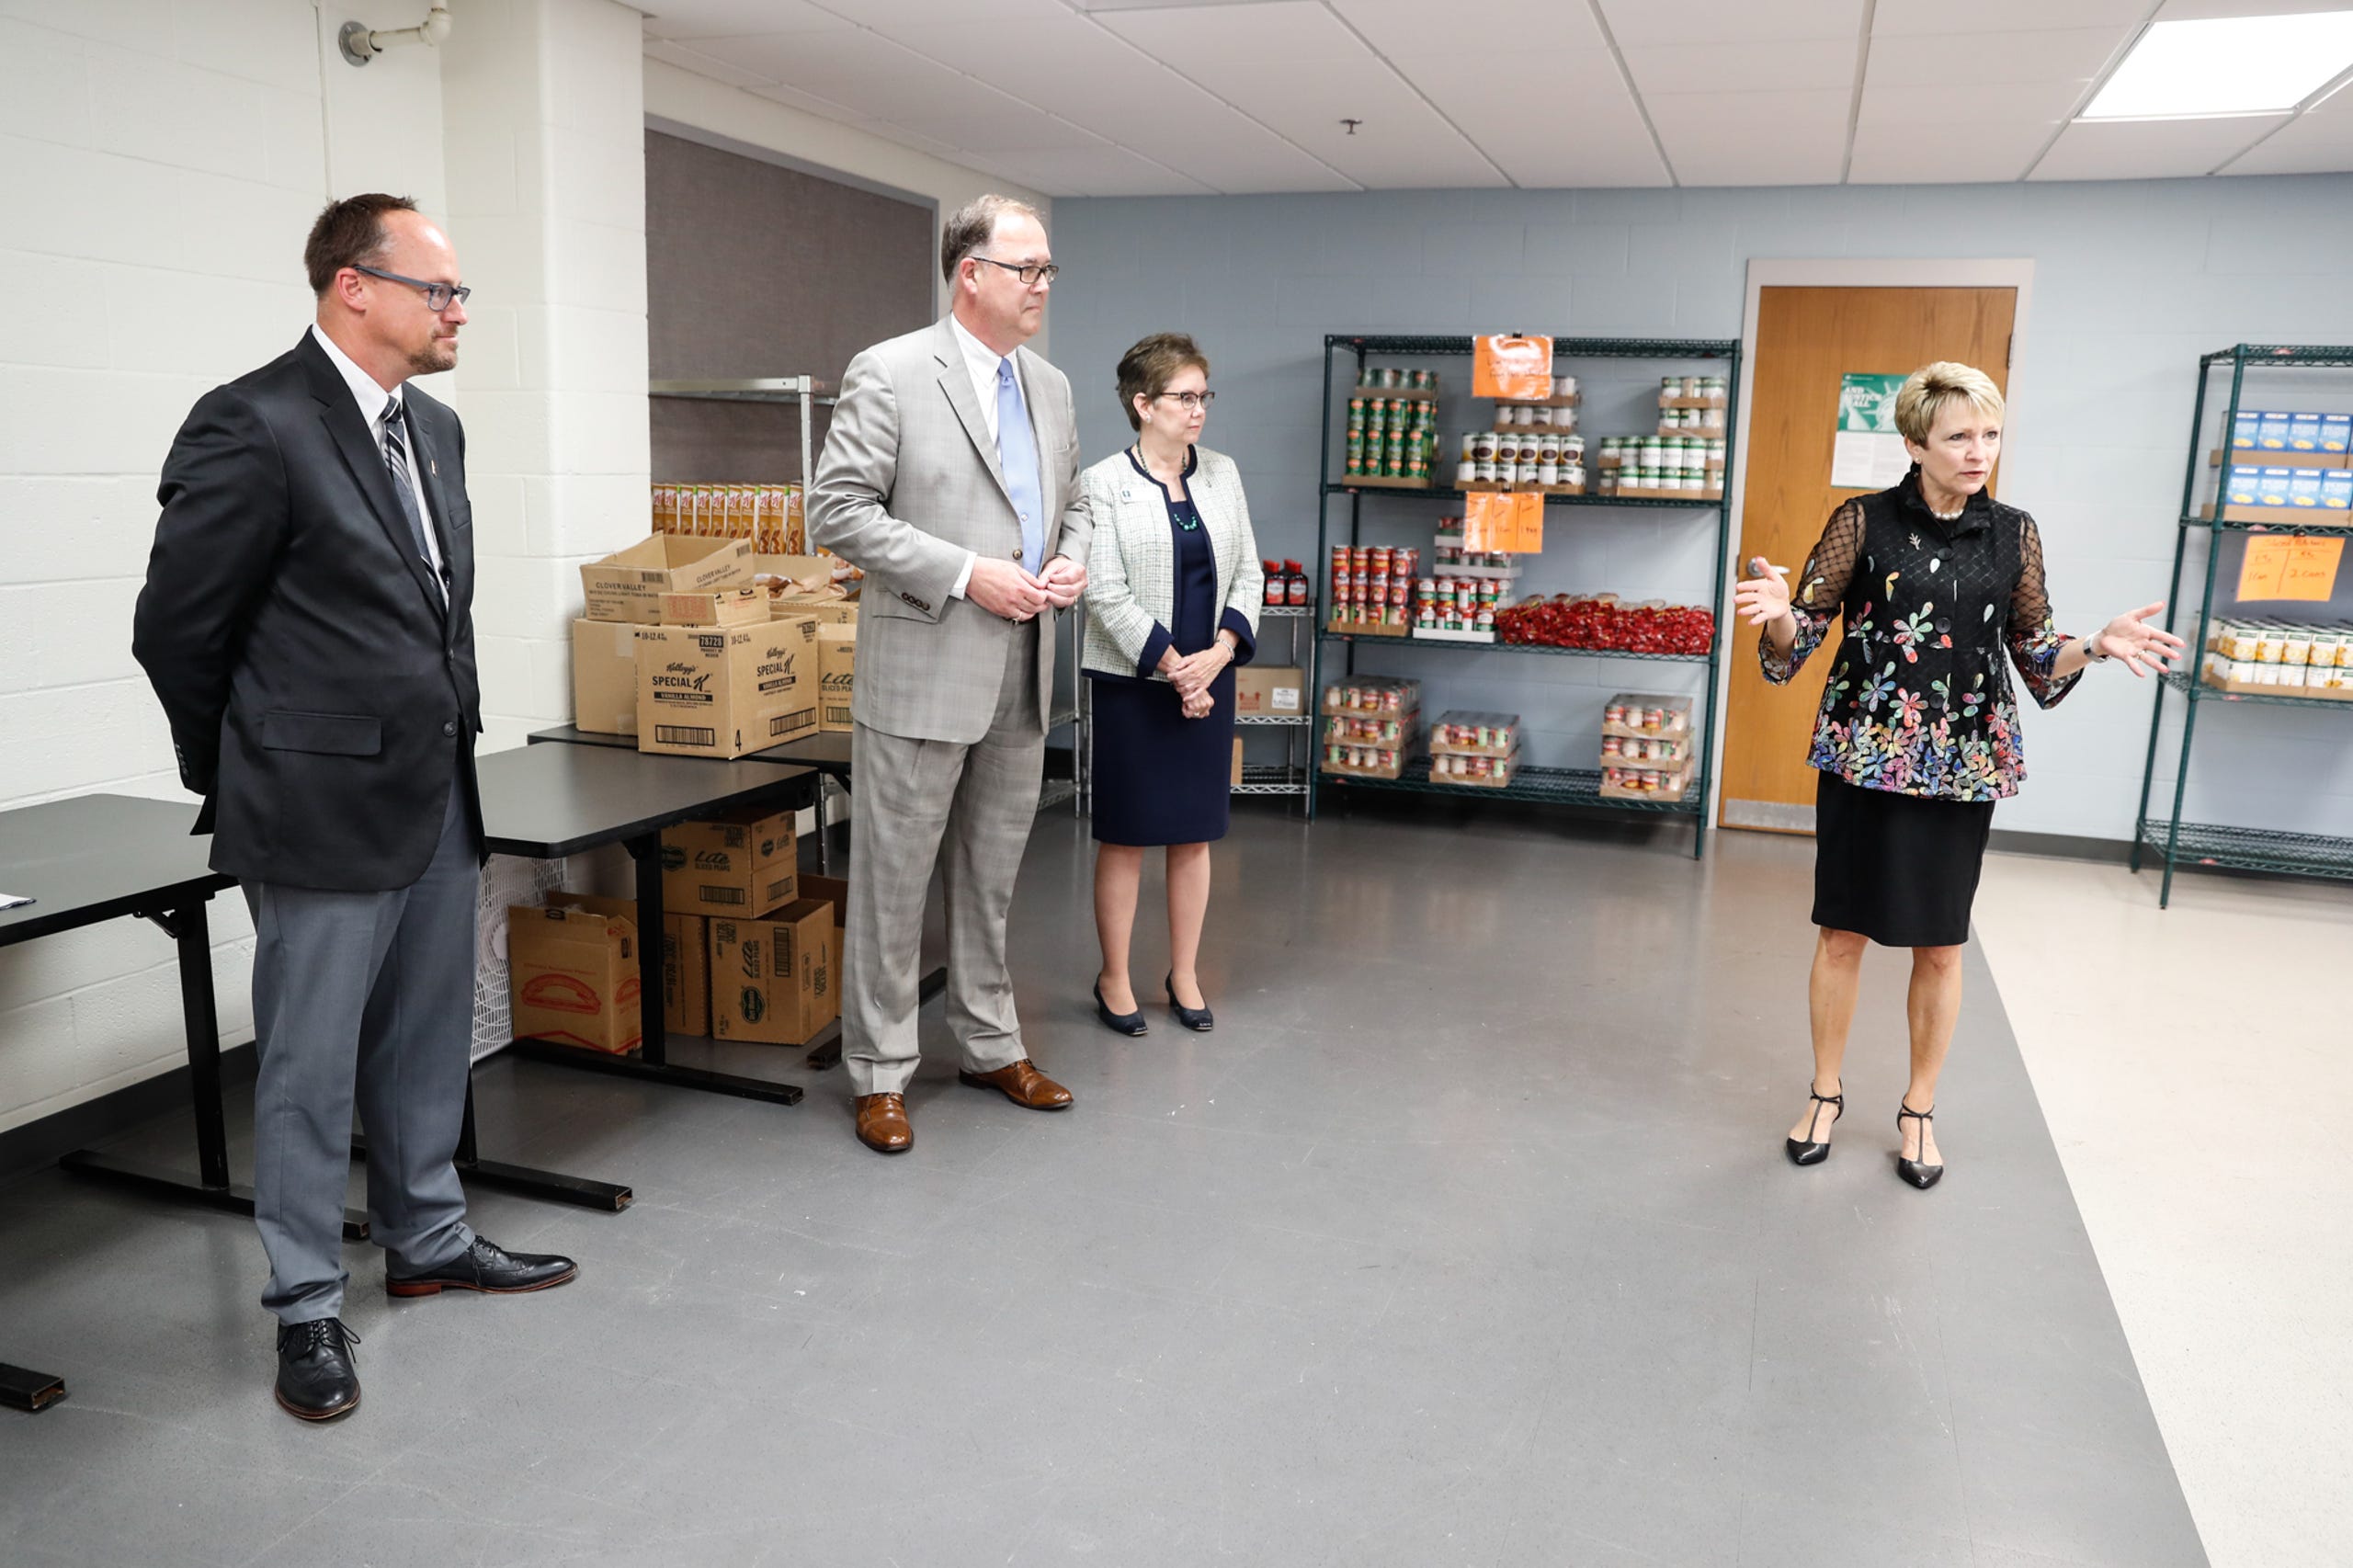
(373,402)
(982,361)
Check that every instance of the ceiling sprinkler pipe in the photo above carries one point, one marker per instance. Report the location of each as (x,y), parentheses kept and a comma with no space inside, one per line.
(360,46)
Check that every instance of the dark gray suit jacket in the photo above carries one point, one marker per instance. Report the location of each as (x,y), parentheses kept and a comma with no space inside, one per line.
(322,698)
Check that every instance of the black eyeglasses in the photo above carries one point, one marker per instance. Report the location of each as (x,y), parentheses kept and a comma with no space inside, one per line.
(437,295)
(1029,272)
(1189,401)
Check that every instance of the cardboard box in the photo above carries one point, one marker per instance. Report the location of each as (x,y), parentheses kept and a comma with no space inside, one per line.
(686,973)
(838,675)
(2245,430)
(604,676)
(2303,432)
(2271,431)
(1274,689)
(629,584)
(725,690)
(738,606)
(1237,762)
(746,863)
(572,974)
(2336,432)
(774,981)
(806,587)
(833,890)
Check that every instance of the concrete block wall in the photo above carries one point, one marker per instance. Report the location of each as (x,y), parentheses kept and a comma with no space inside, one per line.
(2132,281)
(161,164)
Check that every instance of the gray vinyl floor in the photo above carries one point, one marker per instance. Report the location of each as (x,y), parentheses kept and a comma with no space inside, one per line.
(1466,1238)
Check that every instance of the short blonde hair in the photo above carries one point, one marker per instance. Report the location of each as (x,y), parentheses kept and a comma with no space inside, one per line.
(1926,391)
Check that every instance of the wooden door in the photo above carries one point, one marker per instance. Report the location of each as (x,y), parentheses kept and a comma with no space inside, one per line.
(1807,340)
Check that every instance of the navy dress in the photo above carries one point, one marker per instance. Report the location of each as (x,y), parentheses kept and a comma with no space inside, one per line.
(1161,778)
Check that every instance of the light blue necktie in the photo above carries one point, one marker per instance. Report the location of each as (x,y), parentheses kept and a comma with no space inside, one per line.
(1016,454)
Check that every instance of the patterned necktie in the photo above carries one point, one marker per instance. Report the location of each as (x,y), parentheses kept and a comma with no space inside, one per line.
(1016,454)
(396,467)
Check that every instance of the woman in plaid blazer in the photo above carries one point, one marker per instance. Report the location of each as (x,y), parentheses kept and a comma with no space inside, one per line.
(1172,598)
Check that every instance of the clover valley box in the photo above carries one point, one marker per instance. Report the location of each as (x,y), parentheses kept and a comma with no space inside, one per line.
(604,676)
(628,585)
(725,690)
(837,667)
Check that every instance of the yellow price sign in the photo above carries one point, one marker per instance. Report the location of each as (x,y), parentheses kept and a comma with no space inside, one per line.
(2296,566)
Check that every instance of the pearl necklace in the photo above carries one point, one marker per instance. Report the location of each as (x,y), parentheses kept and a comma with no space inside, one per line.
(1953,516)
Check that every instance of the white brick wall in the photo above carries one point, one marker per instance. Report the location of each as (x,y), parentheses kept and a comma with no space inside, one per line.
(160,164)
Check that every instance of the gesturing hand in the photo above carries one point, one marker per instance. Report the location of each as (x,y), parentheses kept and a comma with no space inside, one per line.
(2130,638)
(1002,587)
(1199,704)
(1764,596)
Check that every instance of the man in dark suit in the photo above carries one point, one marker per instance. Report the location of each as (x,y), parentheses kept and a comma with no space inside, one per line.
(307,625)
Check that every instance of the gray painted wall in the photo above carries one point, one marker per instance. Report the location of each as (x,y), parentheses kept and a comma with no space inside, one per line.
(2133,280)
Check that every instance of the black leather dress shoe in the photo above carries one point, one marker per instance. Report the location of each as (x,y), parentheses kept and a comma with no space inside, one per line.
(316,1378)
(487,1268)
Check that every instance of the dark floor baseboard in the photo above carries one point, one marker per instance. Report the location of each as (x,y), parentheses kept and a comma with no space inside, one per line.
(39,1143)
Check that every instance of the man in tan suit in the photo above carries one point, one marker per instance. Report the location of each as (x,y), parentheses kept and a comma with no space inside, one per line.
(951,475)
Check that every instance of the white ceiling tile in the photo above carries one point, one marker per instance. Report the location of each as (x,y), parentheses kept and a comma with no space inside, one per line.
(863,70)
(702,65)
(1401,29)
(2318,141)
(1769,138)
(1098,171)
(1952,152)
(1992,59)
(1299,30)
(2150,149)
(1896,18)
(908,20)
(1588,133)
(737,19)
(1963,102)
(1401,143)
(1797,64)
(1635,23)
(1024,130)
(2202,10)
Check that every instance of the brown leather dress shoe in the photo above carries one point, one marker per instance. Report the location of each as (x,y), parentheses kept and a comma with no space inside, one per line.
(882,1124)
(1023,1085)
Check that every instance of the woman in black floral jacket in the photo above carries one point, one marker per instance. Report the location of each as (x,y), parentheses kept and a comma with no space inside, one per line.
(1918,734)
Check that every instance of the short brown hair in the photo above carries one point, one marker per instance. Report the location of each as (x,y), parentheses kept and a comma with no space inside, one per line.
(969,228)
(1927,390)
(349,232)
(1146,369)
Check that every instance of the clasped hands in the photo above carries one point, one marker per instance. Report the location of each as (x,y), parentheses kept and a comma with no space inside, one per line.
(1192,673)
(1004,588)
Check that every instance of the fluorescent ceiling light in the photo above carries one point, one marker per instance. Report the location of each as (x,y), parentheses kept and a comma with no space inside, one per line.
(2227,65)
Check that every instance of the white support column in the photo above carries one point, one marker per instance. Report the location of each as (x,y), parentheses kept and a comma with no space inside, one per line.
(543,131)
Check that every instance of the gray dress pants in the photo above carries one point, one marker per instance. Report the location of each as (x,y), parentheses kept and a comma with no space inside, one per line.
(981,798)
(368,996)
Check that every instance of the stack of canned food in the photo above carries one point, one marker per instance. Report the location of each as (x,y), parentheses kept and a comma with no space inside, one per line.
(1453,556)
(1371,587)
(1683,389)
(1645,746)
(1393,378)
(1538,457)
(1534,416)
(1475,749)
(1391,437)
(2295,659)
(1681,464)
(1456,605)
(1370,723)
(1684,421)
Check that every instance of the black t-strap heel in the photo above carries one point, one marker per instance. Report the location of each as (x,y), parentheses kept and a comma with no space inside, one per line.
(1808,1152)
(1917,1173)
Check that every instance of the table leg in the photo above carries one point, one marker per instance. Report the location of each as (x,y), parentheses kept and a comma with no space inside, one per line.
(553,1186)
(189,926)
(827,1047)
(651,1063)
(21,1388)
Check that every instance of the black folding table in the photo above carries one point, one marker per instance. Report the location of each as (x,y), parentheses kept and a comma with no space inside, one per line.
(545,801)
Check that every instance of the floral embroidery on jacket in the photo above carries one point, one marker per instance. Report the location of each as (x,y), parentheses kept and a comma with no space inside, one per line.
(1920,700)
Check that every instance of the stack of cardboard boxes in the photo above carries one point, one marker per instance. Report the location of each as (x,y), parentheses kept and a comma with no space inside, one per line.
(684,646)
(747,952)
